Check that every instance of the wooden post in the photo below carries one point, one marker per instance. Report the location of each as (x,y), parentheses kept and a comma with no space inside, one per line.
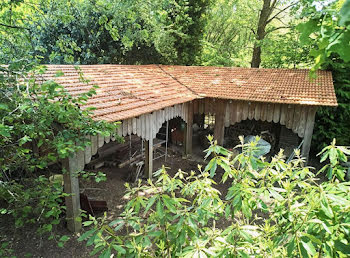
(149,158)
(189,130)
(71,187)
(219,127)
(309,127)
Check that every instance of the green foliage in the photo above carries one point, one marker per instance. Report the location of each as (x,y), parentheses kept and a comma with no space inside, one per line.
(90,32)
(40,125)
(228,34)
(333,123)
(328,29)
(283,50)
(336,155)
(33,202)
(271,209)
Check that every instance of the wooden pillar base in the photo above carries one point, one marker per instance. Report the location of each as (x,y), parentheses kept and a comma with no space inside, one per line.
(189,130)
(309,127)
(149,158)
(219,128)
(71,187)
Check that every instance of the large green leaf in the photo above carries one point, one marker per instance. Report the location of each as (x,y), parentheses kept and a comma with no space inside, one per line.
(345,13)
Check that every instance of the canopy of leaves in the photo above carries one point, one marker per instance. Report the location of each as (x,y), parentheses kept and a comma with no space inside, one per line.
(103,31)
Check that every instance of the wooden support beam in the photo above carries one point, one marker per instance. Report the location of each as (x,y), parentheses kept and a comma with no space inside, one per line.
(71,187)
(309,127)
(189,130)
(149,158)
(219,127)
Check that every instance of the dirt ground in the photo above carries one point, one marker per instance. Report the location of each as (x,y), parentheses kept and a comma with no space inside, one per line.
(26,243)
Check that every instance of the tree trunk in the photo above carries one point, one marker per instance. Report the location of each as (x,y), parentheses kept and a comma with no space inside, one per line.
(256,58)
(260,33)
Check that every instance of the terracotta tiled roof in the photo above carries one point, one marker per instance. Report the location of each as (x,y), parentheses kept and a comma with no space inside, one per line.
(131,90)
(124,90)
(290,86)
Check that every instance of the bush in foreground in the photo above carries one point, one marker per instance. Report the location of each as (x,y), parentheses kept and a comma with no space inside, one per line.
(271,209)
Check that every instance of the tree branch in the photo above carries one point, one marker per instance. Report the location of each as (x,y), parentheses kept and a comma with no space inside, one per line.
(277,28)
(278,13)
(13,26)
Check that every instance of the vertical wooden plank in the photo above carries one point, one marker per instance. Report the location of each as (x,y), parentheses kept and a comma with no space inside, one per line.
(251,110)
(119,130)
(94,145)
(201,106)
(100,140)
(147,127)
(290,116)
(113,135)
(71,187)
(153,125)
(195,106)
(143,126)
(257,111)
(276,113)
(206,106)
(129,126)
(269,116)
(185,117)
(284,111)
(149,158)
(134,128)
(212,105)
(88,151)
(296,118)
(80,160)
(149,150)
(171,112)
(245,110)
(302,121)
(157,124)
(161,119)
(239,110)
(233,112)
(263,112)
(107,139)
(125,127)
(166,116)
(219,127)
(309,127)
(189,129)
(183,110)
(227,113)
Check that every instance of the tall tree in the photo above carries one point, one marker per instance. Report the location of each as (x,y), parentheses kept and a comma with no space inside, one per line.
(271,10)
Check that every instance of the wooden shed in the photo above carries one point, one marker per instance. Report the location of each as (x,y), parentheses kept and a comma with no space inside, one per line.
(143,97)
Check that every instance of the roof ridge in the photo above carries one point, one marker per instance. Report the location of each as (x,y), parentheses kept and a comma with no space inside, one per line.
(177,80)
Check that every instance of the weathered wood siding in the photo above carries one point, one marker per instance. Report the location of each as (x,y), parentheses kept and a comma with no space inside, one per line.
(147,126)
(294,117)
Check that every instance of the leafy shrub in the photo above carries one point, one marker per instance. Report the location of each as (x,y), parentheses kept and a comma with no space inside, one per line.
(41,123)
(33,201)
(273,209)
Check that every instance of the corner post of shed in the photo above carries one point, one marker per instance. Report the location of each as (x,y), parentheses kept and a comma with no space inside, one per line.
(149,147)
(189,130)
(309,127)
(71,187)
(149,158)
(219,127)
